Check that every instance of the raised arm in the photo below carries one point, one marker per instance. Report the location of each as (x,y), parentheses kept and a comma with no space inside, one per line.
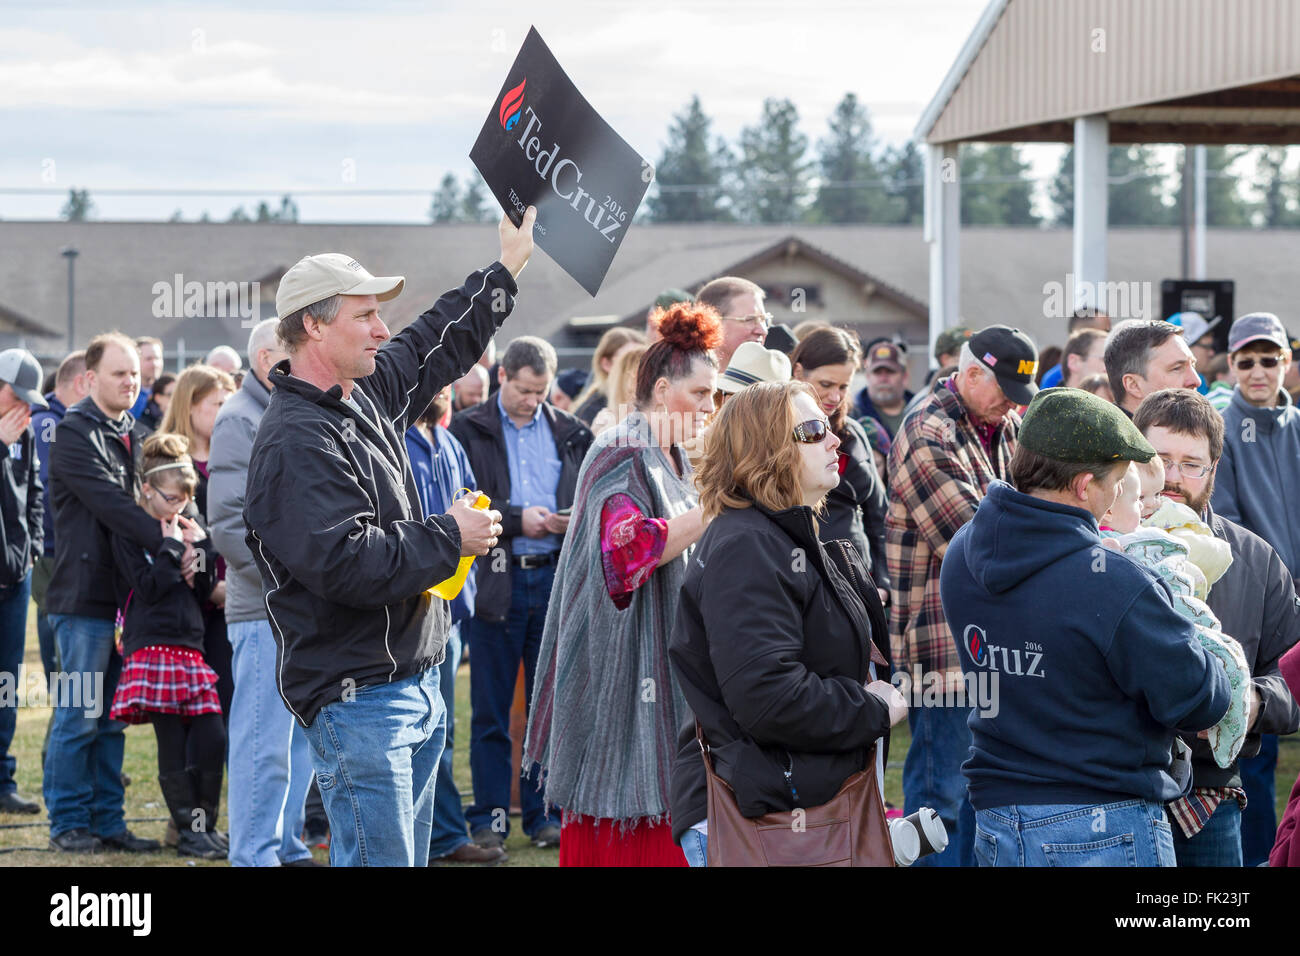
(442,344)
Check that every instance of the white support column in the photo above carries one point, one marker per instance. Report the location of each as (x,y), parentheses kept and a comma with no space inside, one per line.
(1091,146)
(943,232)
(1198,233)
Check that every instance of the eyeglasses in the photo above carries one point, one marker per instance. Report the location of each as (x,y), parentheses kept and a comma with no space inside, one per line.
(171,499)
(1189,469)
(1268,361)
(812,431)
(763,319)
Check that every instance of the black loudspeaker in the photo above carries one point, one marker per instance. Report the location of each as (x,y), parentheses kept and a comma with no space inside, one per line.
(1210,297)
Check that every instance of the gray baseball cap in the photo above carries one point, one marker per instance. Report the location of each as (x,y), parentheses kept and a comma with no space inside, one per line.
(19,368)
(1257,327)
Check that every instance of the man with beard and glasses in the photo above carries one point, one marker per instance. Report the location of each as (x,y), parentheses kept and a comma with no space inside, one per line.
(1255,602)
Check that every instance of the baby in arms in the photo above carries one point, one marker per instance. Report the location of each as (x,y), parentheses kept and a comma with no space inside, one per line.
(1170,540)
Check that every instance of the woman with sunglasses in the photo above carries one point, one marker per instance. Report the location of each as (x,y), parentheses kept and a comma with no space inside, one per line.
(780,639)
(605,711)
(826,359)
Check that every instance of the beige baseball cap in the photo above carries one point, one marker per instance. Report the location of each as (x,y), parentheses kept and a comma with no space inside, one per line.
(314,278)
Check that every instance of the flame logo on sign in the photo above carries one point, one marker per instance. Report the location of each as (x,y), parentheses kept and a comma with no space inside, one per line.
(511,104)
(975,645)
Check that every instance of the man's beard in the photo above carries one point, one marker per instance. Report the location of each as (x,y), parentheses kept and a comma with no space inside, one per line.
(886,395)
(1197,503)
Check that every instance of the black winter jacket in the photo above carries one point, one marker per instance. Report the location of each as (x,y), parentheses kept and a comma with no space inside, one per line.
(855,508)
(160,607)
(1256,603)
(771,649)
(94,478)
(333,512)
(22,521)
(478,429)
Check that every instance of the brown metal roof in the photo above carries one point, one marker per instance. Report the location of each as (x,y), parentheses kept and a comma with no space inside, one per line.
(1183,71)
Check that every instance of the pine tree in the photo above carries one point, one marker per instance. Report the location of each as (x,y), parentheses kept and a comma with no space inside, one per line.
(690,163)
(288,210)
(904,168)
(1061,191)
(846,166)
(995,186)
(474,203)
(773,173)
(446,201)
(1137,192)
(78,207)
(1276,188)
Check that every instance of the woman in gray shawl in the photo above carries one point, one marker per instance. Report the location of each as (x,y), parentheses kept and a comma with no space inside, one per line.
(606,707)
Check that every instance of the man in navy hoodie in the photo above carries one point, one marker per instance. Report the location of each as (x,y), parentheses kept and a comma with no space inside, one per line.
(1093,671)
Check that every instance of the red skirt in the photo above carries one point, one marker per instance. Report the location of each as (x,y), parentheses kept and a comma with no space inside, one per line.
(163,679)
(587,841)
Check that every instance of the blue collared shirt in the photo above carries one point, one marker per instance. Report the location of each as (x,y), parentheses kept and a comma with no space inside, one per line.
(441,469)
(534,473)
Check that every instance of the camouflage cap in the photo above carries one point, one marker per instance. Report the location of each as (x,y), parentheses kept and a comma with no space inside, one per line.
(948,342)
(1069,424)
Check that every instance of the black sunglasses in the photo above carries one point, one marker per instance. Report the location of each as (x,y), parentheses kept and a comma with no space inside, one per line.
(1268,361)
(812,431)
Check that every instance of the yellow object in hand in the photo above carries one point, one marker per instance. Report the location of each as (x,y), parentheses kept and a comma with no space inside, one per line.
(449,588)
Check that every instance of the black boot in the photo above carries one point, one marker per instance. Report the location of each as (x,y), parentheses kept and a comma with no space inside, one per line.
(178,790)
(207,784)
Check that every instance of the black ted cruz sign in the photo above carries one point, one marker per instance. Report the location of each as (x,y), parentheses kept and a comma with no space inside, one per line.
(543,145)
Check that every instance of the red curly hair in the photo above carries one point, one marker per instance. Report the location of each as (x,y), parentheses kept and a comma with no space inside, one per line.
(687,333)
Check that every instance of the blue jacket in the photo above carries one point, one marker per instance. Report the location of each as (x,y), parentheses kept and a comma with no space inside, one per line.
(1258,482)
(44,421)
(439,473)
(1090,667)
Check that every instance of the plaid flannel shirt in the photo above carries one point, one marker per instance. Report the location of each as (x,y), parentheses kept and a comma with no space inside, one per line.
(938,473)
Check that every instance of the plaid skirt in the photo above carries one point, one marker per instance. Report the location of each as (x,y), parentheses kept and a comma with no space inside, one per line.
(163,679)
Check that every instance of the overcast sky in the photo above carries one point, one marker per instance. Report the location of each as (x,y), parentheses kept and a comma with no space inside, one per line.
(283,96)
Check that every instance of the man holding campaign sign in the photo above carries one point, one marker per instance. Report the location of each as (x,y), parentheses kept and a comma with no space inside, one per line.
(543,145)
(345,555)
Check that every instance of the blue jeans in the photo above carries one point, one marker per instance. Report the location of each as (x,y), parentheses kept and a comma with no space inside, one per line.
(1259,819)
(448,815)
(1218,844)
(1128,833)
(496,651)
(83,767)
(695,845)
(376,758)
(932,777)
(13,639)
(269,760)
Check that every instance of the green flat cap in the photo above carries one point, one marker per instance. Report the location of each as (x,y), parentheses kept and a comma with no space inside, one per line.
(1069,424)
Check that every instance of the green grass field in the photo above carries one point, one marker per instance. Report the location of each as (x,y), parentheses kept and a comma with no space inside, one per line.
(24,839)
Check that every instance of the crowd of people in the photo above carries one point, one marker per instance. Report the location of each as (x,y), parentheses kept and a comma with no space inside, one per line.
(731,548)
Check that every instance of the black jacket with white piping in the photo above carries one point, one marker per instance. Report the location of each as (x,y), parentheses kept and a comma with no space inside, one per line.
(334,514)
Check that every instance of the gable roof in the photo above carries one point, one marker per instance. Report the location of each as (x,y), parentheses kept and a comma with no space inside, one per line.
(789,246)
